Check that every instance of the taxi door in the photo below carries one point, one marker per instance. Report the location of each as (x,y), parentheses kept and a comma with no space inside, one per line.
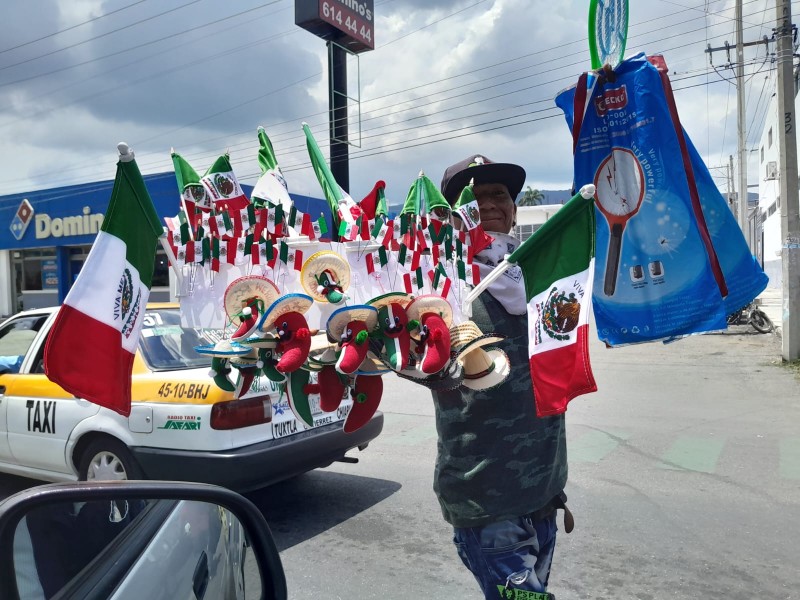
(40,415)
(17,337)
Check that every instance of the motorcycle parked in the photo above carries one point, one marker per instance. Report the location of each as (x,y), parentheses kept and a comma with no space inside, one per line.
(751,315)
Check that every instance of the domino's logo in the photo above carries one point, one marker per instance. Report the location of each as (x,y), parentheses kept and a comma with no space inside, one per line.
(22,219)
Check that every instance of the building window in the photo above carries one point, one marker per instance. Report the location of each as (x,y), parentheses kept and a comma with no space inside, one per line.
(523,232)
(771,209)
(762,154)
(769,138)
(161,270)
(27,266)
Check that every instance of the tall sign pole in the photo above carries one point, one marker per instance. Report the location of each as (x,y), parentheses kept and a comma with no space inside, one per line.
(340,152)
(790,201)
(348,26)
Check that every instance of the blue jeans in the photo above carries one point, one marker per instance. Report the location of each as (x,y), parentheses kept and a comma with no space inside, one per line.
(509,555)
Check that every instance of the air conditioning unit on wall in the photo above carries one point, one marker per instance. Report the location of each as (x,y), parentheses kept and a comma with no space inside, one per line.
(772,170)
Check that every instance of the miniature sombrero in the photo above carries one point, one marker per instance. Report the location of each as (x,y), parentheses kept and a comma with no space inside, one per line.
(391,298)
(287,303)
(483,368)
(342,316)
(430,303)
(223,349)
(449,378)
(317,360)
(467,336)
(241,290)
(325,276)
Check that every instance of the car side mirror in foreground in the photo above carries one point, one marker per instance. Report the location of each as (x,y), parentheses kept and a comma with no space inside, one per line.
(136,539)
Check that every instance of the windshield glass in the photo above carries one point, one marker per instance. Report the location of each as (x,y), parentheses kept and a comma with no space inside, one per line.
(166,345)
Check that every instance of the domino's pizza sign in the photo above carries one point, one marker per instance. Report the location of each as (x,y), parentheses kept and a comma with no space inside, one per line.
(22,219)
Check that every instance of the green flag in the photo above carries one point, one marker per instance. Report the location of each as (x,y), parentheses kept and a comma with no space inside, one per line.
(343,207)
(424,198)
(271,187)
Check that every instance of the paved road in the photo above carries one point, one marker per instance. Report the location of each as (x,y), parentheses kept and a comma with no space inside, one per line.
(684,479)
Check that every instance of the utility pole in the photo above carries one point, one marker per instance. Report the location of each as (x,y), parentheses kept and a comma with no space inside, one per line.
(741,126)
(790,205)
(741,212)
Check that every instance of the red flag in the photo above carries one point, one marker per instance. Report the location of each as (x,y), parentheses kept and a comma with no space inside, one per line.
(407,283)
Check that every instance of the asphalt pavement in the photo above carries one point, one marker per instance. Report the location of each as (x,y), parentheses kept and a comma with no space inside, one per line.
(684,482)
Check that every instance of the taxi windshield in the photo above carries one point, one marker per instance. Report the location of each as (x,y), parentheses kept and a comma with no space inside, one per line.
(167,346)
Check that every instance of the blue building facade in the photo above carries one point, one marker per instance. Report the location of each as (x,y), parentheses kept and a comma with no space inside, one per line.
(45,236)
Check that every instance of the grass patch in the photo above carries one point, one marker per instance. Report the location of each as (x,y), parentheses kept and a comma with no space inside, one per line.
(792,365)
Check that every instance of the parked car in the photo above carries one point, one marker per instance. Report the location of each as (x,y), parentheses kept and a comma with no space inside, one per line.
(181,427)
(136,539)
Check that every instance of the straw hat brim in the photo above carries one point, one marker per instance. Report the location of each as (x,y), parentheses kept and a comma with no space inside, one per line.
(250,286)
(285,304)
(260,342)
(448,378)
(342,316)
(320,342)
(316,264)
(502,367)
(391,298)
(372,366)
(430,303)
(244,361)
(486,339)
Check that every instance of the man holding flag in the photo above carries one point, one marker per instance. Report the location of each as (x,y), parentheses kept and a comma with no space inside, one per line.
(502,456)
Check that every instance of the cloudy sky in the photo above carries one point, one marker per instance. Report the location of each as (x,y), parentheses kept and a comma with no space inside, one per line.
(447,79)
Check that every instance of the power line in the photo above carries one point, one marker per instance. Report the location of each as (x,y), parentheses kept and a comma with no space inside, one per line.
(142,45)
(99,36)
(71,27)
(470,72)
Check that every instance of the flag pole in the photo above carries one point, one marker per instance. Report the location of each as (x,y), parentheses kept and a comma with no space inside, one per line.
(587,191)
(172,260)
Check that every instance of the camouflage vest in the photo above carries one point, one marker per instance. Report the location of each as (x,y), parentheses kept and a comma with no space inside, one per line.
(496,459)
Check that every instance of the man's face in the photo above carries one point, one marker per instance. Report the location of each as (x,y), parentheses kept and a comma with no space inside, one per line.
(497,208)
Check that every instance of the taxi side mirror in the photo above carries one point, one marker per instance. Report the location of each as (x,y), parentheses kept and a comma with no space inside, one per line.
(145,539)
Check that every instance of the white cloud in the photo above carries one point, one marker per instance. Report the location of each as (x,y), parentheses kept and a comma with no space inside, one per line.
(423,97)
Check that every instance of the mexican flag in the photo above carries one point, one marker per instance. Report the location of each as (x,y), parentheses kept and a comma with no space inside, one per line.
(271,187)
(222,186)
(557,265)
(345,212)
(90,350)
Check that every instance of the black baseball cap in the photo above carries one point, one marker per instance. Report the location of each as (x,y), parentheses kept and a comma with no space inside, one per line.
(481,170)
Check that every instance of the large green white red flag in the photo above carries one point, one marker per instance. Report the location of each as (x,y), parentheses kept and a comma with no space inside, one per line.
(557,265)
(271,188)
(223,187)
(90,350)
(344,210)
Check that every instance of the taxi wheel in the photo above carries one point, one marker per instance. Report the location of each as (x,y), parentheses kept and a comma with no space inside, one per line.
(107,459)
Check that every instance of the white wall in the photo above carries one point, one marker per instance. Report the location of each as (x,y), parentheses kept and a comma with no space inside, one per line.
(6,301)
(768,192)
